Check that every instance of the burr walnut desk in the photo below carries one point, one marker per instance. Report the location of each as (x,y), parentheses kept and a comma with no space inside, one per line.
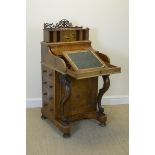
(70,71)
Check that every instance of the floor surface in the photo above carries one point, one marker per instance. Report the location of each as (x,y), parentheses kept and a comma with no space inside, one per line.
(88,138)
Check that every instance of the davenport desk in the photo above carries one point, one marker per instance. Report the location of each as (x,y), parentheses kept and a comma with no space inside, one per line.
(70,71)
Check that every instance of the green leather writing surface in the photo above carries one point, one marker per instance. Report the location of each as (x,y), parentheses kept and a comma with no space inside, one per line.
(85,59)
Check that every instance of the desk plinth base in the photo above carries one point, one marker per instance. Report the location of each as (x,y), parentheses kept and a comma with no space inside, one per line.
(66,128)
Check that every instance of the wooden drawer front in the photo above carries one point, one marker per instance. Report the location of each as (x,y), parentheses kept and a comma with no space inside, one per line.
(44,73)
(44,98)
(48,92)
(50,75)
(67,36)
(48,97)
(48,84)
(47,74)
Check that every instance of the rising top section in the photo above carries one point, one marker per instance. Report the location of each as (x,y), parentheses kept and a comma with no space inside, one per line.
(64,31)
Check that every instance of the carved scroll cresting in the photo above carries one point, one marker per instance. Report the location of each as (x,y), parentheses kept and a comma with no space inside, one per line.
(64,23)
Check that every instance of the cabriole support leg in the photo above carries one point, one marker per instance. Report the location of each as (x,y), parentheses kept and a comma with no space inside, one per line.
(102,118)
(64,79)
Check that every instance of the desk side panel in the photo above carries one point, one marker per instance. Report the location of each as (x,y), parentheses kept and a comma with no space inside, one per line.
(82,99)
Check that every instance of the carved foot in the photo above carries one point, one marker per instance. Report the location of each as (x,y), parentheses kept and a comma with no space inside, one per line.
(43,117)
(65,122)
(102,119)
(102,124)
(65,129)
(66,135)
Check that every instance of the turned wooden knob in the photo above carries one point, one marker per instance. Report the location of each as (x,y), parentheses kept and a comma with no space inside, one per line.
(51,86)
(44,71)
(44,93)
(51,98)
(50,74)
(45,82)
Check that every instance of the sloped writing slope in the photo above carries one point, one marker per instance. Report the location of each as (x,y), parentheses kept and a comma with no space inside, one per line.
(83,60)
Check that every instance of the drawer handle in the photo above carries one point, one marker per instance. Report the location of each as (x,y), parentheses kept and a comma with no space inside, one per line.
(50,74)
(51,98)
(50,86)
(45,82)
(44,71)
(44,93)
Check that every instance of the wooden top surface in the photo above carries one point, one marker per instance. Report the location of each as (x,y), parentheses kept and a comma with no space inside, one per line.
(65,43)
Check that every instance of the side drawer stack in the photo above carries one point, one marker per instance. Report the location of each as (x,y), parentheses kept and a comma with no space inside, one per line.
(48,88)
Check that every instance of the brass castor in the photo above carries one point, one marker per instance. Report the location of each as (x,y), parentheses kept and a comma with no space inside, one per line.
(66,135)
(43,117)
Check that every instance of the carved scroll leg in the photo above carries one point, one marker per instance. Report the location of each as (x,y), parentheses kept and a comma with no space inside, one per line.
(101,116)
(67,89)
